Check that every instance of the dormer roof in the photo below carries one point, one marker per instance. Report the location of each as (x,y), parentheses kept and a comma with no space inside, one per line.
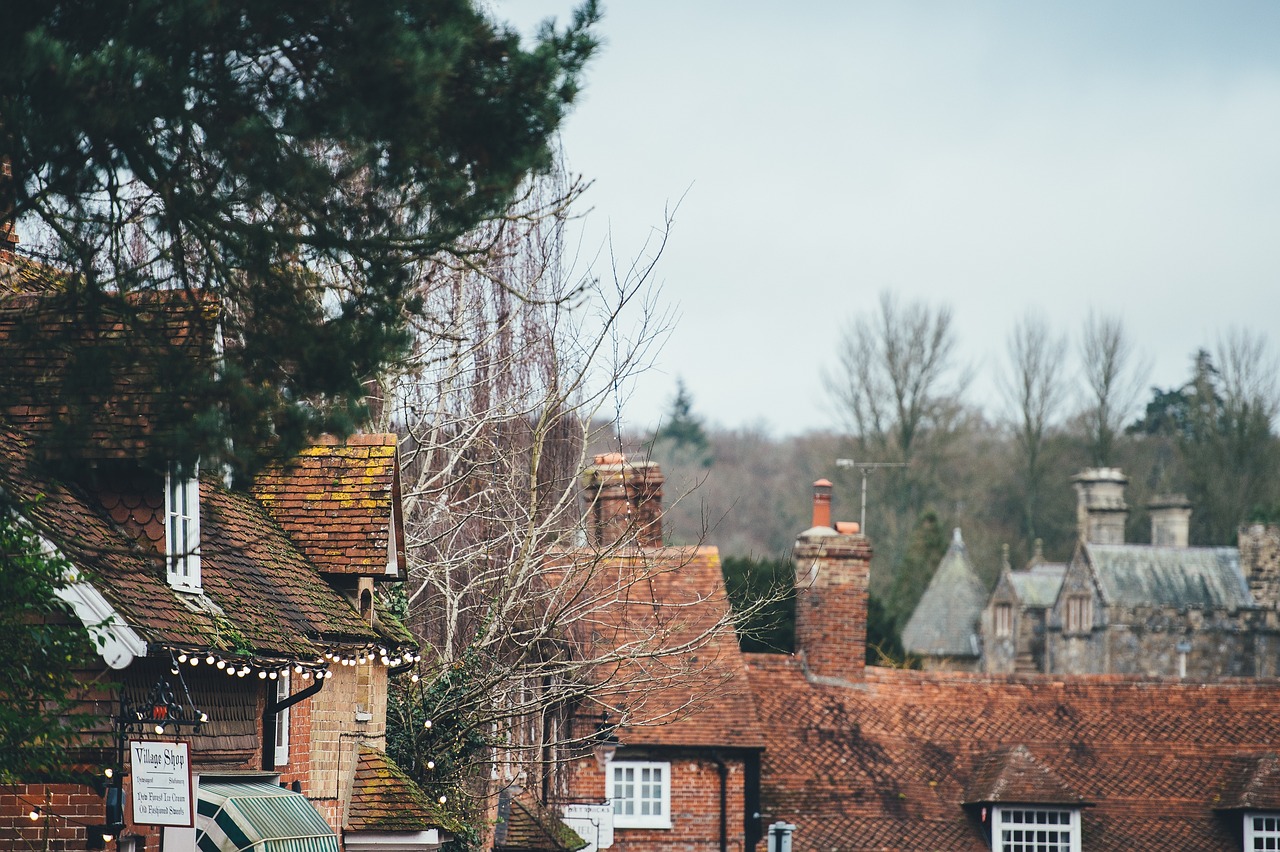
(1012,774)
(339,501)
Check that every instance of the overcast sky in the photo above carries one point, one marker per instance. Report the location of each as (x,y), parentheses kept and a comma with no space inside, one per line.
(998,157)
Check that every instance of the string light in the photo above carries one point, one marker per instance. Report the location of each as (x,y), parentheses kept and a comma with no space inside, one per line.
(273,675)
(108,772)
(222,664)
(426,724)
(262,675)
(443,799)
(35,814)
(431,764)
(195,661)
(182,658)
(209,660)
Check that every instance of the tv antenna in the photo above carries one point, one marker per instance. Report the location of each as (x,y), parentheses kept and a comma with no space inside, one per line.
(866,467)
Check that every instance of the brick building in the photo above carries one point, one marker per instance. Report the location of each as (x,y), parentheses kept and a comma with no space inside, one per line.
(241,630)
(869,758)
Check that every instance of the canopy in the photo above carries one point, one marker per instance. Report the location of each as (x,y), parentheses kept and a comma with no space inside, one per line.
(257,817)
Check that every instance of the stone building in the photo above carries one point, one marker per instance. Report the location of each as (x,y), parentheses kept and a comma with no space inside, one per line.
(943,631)
(1014,618)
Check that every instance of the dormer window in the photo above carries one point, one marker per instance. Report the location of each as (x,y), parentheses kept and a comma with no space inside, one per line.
(1035,829)
(1004,620)
(182,528)
(1261,831)
(1079,614)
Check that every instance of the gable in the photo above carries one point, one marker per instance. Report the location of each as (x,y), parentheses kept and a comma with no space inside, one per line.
(945,622)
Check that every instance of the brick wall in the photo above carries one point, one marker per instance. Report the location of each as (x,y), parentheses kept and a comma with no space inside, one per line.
(69,808)
(334,732)
(831,602)
(695,805)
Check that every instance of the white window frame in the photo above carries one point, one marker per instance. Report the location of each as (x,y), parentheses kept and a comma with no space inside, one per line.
(1002,618)
(1011,823)
(1265,833)
(182,529)
(631,784)
(282,721)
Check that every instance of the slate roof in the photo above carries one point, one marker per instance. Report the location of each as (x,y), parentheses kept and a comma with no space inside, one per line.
(696,696)
(1137,575)
(336,500)
(1038,586)
(383,798)
(261,597)
(890,763)
(945,621)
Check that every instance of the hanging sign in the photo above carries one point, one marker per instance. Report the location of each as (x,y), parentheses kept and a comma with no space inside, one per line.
(161,784)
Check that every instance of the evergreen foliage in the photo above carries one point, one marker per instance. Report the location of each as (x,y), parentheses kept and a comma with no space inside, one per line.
(291,159)
(762,593)
(46,645)
(681,427)
(925,549)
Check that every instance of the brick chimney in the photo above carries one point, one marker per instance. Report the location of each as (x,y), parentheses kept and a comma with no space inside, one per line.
(1100,508)
(1170,520)
(832,568)
(624,501)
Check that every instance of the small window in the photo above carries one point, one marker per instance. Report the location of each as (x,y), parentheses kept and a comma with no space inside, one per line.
(1261,831)
(1036,830)
(642,795)
(1079,614)
(282,720)
(1004,620)
(182,529)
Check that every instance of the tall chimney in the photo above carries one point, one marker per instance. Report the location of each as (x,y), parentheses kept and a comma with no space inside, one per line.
(832,569)
(1260,562)
(1170,520)
(624,499)
(1100,508)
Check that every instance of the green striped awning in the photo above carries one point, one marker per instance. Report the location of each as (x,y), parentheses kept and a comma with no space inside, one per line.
(249,817)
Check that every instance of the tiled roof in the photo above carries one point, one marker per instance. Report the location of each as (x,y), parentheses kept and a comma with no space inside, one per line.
(260,595)
(945,622)
(1038,587)
(383,798)
(526,826)
(1134,575)
(1254,785)
(336,499)
(1014,775)
(680,682)
(888,764)
(129,358)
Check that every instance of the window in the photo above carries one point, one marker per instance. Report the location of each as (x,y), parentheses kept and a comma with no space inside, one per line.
(642,795)
(182,529)
(1079,614)
(1262,831)
(282,720)
(1004,620)
(1036,830)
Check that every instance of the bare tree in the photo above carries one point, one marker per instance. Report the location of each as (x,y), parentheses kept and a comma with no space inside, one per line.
(898,377)
(1115,378)
(528,626)
(1034,390)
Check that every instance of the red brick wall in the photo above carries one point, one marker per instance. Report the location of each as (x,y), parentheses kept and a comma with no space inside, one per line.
(70,809)
(695,806)
(831,603)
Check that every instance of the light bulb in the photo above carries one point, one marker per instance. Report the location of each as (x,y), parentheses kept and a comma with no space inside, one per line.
(195,661)
(297,669)
(431,764)
(222,664)
(182,658)
(415,678)
(159,729)
(35,814)
(262,675)
(427,724)
(204,717)
(108,772)
(209,660)
(242,673)
(272,675)
(444,799)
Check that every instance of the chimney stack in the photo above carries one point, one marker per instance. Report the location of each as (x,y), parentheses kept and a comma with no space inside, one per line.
(1100,508)
(832,569)
(624,499)
(1170,520)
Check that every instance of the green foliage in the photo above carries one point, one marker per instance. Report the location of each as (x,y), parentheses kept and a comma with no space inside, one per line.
(762,594)
(925,550)
(293,159)
(681,427)
(884,645)
(436,735)
(46,645)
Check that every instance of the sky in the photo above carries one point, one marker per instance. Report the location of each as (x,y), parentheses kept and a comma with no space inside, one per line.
(1000,158)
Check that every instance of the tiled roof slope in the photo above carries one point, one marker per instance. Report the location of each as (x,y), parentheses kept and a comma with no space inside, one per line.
(526,826)
(886,765)
(1038,587)
(945,622)
(260,595)
(1254,786)
(695,694)
(335,500)
(130,357)
(383,798)
(1014,775)
(1135,575)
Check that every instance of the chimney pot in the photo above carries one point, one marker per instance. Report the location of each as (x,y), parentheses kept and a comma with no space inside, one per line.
(623,499)
(822,503)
